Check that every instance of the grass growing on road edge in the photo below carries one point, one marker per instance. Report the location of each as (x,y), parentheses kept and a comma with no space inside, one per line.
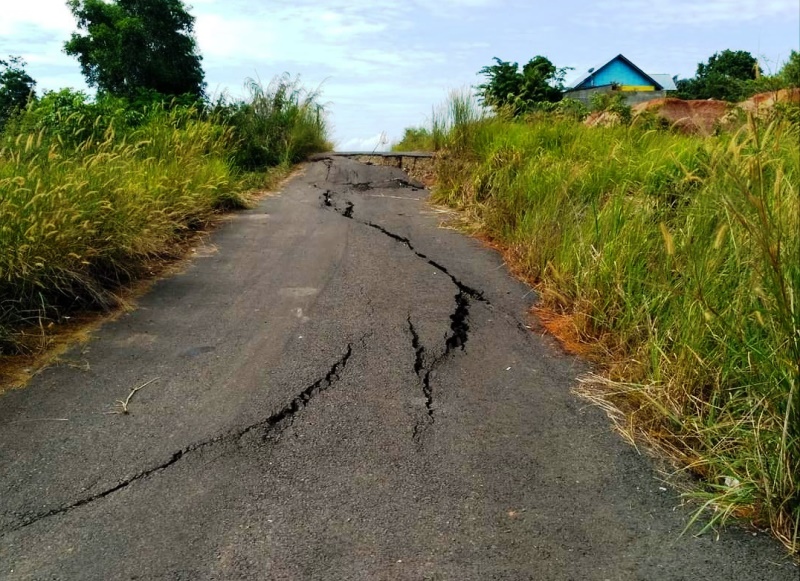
(678,257)
(448,122)
(277,124)
(95,195)
(79,220)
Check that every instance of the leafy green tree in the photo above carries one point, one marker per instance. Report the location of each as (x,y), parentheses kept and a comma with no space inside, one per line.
(738,64)
(726,76)
(542,81)
(503,83)
(134,46)
(16,88)
(790,73)
(520,91)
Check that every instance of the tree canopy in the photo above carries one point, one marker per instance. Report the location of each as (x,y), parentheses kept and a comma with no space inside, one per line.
(16,87)
(790,73)
(508,87)
(126,47)
(725,76)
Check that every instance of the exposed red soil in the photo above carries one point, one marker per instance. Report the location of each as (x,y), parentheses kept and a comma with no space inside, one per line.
(765,101)
(704,117)
(562,327)
(701,117)
(565,331)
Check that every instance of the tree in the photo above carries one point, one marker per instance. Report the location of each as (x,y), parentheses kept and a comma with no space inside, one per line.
(790,72)
(725,76)
(738,64)
(135,46)
(503,83)
(507,87)
(542,81)
(16,88)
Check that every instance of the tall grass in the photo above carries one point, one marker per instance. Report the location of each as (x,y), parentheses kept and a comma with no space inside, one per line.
(280,123)
(92,193)
(678,257)
(78,220)
(449,120)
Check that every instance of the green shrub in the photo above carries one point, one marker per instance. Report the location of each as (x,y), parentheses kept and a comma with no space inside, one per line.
(415,139)
(278,124)
(613,102)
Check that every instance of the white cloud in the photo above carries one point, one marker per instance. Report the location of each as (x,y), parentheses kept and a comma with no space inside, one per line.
(344,42)
(50,15)
(36,31)
(233,38)
(379,142)
(693,13)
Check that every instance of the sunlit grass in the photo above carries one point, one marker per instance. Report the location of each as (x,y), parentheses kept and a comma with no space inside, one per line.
(278,123)
(94,194)
(76,222)
(678,257)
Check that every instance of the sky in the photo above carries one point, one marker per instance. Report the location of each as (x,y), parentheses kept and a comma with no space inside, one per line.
(382,65)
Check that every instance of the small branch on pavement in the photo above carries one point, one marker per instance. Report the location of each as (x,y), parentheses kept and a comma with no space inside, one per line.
(122,406)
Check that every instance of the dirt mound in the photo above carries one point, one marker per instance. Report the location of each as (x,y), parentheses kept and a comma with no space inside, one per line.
(765,101)
(701,117)
(704,117)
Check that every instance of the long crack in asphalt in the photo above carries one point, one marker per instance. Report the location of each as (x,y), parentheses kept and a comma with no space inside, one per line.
(272,427)
(459,325)
(278,422)
(347,212)
(329,202)
(457,339)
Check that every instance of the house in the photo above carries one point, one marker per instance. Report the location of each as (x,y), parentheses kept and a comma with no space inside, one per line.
(620,74)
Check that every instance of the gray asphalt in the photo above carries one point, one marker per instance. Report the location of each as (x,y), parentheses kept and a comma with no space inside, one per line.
(343,390)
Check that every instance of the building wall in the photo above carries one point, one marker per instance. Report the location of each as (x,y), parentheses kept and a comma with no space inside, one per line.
(631,97)
(616,72)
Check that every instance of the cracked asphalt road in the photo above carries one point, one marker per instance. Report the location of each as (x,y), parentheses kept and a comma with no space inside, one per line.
(343,390)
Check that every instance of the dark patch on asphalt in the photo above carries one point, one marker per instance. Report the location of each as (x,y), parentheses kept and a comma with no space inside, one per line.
(197,351)
(348,211)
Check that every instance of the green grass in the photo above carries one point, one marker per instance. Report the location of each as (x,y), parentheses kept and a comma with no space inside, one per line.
(457,114)
(75,223)
(678,257)
(92,195)
(281,123)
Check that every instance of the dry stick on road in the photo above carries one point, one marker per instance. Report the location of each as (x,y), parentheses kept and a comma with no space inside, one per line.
(123,405)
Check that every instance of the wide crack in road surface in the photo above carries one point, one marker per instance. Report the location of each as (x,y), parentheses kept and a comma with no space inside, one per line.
(345,391)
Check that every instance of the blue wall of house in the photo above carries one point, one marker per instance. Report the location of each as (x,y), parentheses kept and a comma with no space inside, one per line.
(617,71)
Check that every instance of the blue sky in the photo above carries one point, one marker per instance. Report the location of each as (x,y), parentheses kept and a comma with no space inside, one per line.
(382,64)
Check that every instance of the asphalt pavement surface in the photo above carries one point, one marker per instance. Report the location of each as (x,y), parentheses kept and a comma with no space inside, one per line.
(337,388)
